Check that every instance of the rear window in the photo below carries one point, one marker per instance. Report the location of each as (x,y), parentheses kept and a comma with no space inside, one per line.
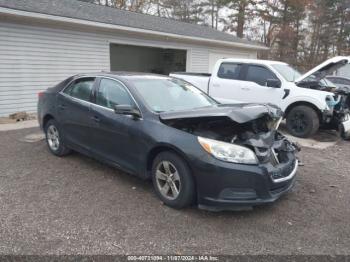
(229,70)
(81,88)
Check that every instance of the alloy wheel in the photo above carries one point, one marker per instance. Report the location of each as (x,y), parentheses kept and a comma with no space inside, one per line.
(168,180)
(53,137)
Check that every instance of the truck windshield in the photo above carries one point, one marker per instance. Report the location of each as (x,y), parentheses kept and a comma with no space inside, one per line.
(288,72)
(163,94)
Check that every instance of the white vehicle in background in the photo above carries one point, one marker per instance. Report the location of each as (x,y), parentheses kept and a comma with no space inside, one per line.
(309,101)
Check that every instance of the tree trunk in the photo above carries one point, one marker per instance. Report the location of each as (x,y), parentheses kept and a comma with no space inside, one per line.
(241,18)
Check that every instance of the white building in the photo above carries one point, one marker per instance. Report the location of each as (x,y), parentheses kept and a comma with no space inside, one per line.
(43,42)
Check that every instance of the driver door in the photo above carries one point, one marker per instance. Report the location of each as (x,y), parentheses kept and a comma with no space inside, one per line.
(255,85)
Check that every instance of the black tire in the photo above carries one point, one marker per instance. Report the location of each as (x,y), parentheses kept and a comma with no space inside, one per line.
(343,135)
(61,149)
(187,193)
(302,121)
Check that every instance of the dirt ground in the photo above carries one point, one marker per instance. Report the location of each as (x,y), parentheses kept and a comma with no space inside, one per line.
(76,205)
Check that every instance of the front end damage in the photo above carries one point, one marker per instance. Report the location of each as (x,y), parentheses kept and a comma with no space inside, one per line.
(340,112)
(251,125)
(338,115)
(256,130)
(274,152)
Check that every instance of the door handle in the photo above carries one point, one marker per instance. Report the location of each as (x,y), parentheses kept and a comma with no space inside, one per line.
(245,88)
(96,119)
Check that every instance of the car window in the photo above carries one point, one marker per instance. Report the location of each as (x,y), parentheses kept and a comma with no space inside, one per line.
(229,70)
(334,80)
(259,75)
(81,88)
(341,81)
(112,93)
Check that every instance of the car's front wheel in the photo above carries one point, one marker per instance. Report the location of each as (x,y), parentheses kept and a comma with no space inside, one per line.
(54,139)
(173,181)
(302,121)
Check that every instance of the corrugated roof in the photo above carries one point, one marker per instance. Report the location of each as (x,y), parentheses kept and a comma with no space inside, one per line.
(102,14)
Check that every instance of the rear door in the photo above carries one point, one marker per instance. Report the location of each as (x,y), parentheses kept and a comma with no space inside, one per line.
(255,89)
(73,110)
(115,136)
(226,85)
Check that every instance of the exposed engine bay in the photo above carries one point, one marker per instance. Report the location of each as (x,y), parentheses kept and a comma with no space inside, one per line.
(339,103)
(260,134)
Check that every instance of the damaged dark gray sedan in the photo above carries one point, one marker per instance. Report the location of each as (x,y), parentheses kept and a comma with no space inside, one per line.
(195,150)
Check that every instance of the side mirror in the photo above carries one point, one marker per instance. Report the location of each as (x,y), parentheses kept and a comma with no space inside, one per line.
(273,83)
(127,110)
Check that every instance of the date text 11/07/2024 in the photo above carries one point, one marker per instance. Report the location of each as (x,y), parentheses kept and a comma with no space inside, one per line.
(172,258)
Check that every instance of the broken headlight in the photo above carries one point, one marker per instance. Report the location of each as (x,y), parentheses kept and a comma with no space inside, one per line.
(228,152)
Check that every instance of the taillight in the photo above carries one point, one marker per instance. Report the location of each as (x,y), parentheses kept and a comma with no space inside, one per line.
(40,94)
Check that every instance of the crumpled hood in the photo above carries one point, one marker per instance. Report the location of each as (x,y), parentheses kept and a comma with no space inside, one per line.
(328,67)
(240,113)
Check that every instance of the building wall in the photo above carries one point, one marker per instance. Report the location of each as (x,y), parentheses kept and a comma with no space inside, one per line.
(33,58)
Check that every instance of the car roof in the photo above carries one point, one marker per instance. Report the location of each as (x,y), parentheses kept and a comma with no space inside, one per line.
(252,61)
(338,77)
(121,74)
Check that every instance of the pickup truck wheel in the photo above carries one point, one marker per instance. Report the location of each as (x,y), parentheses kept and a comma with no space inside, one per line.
(172,180)
(302,121)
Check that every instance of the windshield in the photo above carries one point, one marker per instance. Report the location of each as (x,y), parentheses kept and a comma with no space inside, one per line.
(288,72)
(167,94)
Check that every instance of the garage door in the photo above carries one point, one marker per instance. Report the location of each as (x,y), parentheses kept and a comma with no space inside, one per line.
(147,59)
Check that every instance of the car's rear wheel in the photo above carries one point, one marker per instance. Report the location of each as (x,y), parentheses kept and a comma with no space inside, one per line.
(54,139)
(302,121)
(172,180)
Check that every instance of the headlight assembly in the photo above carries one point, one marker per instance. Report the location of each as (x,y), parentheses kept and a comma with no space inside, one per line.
(228,152)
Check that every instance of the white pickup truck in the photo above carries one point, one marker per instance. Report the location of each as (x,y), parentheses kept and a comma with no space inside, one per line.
(309,101)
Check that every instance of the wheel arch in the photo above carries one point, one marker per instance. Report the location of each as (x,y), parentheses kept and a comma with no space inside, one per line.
(46,119)
(152,154)
(303,103)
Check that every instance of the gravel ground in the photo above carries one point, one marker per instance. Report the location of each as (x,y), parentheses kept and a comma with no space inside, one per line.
(75,205)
